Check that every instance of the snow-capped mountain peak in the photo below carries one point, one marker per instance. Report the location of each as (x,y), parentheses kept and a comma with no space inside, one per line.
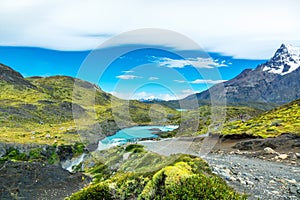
(285,60)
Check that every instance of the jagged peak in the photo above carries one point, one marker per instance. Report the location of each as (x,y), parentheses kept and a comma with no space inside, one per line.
(285,60)
(288,49)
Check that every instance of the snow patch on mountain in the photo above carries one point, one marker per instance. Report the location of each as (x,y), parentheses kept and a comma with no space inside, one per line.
(285,60)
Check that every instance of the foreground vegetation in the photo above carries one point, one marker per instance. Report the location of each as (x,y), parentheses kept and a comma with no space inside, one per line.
(133,173)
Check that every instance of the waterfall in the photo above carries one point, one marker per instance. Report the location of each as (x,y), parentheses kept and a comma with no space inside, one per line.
(69,164)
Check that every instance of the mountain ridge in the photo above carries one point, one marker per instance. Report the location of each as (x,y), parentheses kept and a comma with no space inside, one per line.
(265,84)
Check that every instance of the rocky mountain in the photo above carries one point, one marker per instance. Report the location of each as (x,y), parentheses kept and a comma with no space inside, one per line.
(276,81)
(9,75)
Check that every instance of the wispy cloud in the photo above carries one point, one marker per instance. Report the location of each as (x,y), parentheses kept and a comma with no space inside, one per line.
(128,76)
(187,92)
(179,81)
(181,63)
(152,78)
(206,81)
(129,71)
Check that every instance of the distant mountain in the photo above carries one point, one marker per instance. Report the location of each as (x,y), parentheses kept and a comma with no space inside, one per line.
(276,81)
(150,100)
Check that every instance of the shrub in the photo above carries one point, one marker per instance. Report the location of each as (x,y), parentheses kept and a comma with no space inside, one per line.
(135,148)
(95,192)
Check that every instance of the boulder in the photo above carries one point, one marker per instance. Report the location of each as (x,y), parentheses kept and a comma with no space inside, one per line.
(269,150)
(283,156)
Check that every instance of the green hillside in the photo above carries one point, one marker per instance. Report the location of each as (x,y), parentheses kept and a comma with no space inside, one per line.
(40,109)
(209,119)
(284,119)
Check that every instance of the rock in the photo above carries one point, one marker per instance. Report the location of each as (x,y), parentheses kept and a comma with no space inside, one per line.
(292,181)
(293,190)
(283,156)
(48,136)
(269,150)
(126,156)
(227,171)
(272,182)
(249,183)
(243,182)
(275,192)
(298,155)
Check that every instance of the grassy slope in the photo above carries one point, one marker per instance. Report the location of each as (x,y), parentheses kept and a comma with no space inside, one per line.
(133,173)
(43,114)
(220,115)
(284,119)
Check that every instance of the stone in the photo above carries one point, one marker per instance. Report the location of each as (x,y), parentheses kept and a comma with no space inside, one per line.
(292,181)
(48,136)
(269,150)
(243,182)
(283,156)
(297,155)
(275,192)
(293,190)
(249,183)
(126,156)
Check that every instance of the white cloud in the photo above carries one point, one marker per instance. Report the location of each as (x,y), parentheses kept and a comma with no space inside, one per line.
(187,92)
(127,77)
(196,62)
(129,71)
(152,78)
(207,81)
(249,29)
(179,81)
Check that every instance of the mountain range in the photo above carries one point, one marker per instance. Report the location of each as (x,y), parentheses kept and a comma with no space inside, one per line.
(274,82)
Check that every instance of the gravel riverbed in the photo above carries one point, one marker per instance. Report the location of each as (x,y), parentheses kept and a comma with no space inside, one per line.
(259,178)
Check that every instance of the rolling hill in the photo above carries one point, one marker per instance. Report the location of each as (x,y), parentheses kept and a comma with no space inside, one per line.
(53,110)
(284,119)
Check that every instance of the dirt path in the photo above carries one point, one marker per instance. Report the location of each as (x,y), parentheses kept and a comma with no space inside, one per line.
(257,177)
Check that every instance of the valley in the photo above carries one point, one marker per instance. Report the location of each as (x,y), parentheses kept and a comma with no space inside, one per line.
(251,142)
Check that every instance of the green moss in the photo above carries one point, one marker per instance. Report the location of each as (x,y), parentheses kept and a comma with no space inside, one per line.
(53,159)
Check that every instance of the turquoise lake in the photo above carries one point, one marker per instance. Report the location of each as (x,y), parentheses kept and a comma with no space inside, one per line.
(132,134)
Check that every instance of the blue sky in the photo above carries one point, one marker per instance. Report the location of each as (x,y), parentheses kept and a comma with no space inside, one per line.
(180,47)
(144,73)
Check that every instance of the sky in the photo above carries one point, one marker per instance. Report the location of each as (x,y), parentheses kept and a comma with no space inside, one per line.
(145,49)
